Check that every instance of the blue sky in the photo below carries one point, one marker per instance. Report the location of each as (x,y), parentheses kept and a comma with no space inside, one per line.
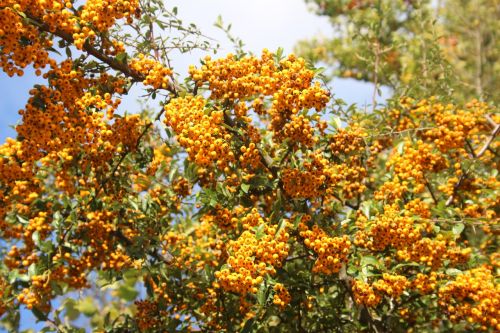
(259,23)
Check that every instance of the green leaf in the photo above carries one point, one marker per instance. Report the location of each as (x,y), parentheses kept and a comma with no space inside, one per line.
(219,23)
(86,306)
(336,122)
(279,54)
(458,228)
(370,260)
(261,294)
(248,326)
(281,225)
(297,220)
(245,188)
(54,50)
(36,238)
(32,270)
(121,57)
(453,271)
(127,293)
(400,147)
(22,220)
(39,314)
(259,231)
(70,310)
(366,207)
(273,321)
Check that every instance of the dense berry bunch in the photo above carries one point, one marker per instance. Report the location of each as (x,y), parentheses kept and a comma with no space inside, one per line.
(282,296)
(155,74)
(202,134)
(303,184)
(371,294)
(286,83)
(473,296)
(98,16)
(332,252)
(253,256)
(389,229)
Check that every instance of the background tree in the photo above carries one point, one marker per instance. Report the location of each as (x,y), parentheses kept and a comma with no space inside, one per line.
(251,200)
(447,48)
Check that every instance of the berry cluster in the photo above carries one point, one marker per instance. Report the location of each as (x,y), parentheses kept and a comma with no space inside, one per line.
(332,252)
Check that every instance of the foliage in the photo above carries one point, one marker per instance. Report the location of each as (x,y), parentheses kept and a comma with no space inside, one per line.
(420,48)
(251,201)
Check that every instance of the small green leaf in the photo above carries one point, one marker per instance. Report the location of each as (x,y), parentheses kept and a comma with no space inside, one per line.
(458,228)
(86,306)
(32,270)
(71,312)
(279,54)
(336,122)
(219,23)
(248,326)
(22,220)
(127,293)
(370,260)
(453,271)
(261,294)
(259,231)
(297,220)
(36,238)
(245,188)
(273,321)
(39,314)
(121,57)
(281,225)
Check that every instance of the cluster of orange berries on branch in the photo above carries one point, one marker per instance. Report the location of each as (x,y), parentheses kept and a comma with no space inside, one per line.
(391,285)
(415,161)
(250,158)
(389,229)
(202,134)
(473,296)
(281,297)
(147,314)
(331,252)
(155,74)
(303,184)
(5,292)
(252,257)
(65,118)
(450,126)
(348,140)
(425,283)
(298,130)
(183,247)
(365,294)
(222,217)
(433,252)
(21,44)
(371,294)
(101,15)
(288,84)
(403,233)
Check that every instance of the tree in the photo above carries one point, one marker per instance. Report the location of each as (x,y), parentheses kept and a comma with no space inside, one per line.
(414,47)
(251,201)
